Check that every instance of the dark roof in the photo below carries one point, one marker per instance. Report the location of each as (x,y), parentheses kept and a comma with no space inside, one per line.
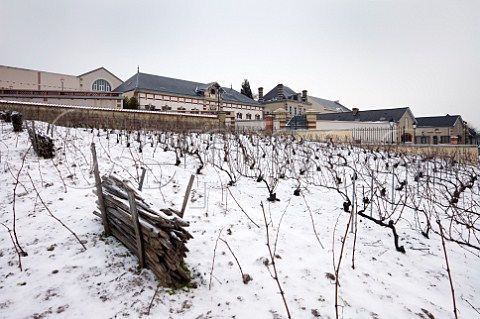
(298,122)
(272,95)
(330,105)
(162,84)
(384,115)
(437,121)
(231,95)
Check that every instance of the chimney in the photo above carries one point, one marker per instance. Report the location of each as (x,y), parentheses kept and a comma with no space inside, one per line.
(260,94)
(304,96)
(280,94)
(355,111)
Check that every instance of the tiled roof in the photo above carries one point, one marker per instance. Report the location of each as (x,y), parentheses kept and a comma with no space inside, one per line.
(330,105)
(272,95)
(383,115)
(437,121)
(162,84)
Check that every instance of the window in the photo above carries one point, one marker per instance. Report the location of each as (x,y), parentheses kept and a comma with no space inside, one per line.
(406,137)
(406,122)
(249,116)
(445,139)
(101,85)
(257,116)
(239,116)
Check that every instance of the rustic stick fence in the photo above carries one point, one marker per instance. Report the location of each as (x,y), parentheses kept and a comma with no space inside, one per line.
(157,238)
(42,144)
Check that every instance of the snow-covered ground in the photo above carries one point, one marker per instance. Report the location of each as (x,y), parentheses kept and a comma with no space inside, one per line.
(60,279)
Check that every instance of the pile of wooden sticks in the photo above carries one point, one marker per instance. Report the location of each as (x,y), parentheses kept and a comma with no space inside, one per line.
(158,238)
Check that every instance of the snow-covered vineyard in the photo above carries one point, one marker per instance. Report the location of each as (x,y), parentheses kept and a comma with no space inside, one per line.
(281,228)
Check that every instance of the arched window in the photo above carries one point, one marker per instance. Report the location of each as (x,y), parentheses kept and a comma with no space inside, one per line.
(101,85)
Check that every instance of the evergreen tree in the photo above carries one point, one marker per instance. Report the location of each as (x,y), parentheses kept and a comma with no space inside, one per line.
(125,102)
(130,103)
(245,90)
(133,103)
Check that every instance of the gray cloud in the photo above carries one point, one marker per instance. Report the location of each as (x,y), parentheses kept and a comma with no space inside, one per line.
(367,54)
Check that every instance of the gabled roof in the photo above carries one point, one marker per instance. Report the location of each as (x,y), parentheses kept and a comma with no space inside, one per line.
(162,84)
(98,69)
(383,115)
(230,95)
(438,121)
(62,74)
(206,87)
(330,105)
(272,95)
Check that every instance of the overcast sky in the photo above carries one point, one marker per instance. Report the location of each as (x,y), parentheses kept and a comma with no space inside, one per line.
(367,54)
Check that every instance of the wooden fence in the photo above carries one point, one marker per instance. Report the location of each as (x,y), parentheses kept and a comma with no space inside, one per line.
(158,238)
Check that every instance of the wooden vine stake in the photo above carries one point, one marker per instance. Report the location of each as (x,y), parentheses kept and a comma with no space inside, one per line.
(142,178)
(187,195)
(98,185)
(136,226)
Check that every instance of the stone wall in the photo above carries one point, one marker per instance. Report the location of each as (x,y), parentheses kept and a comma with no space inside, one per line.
(335,136)
(86,117)
(466,154)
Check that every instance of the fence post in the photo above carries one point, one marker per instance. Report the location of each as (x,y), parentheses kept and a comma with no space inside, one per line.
(187,195)
(371,199)
(142,178)
(98,184)
(354,178)
(136,225)
(393,186)
(406,179)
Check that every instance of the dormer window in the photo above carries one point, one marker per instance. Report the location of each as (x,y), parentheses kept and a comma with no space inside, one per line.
(212,91)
